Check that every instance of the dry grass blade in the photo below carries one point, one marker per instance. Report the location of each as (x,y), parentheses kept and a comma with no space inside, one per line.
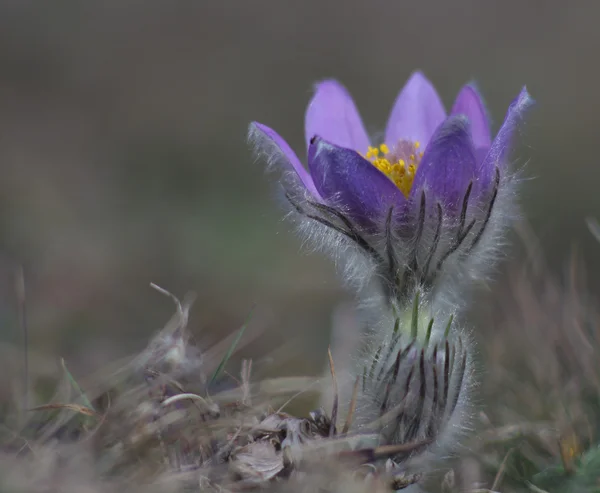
(510,432)
(383,452)
(348,422)
(75,385)
(501,469)
(534,488)
(334,409)
(169,295)
(309,386)
(73,407)
(245,373)
(186,396)
(403,448)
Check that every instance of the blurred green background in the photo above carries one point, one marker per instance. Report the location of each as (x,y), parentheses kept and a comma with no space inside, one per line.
(124,156)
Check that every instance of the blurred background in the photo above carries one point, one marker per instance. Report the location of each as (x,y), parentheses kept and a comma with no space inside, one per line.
(124,156)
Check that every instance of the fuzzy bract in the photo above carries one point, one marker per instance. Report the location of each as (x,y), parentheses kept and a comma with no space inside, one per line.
(432,200)
(415,386)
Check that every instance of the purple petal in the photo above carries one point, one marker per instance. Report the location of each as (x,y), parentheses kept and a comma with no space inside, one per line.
(417,112)
(332,115)
(469,103)
(344,176)
(276,145)
(448,165)
(496,157)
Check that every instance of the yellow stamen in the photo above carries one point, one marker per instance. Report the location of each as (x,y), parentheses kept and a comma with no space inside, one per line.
(373,152)
(399,166)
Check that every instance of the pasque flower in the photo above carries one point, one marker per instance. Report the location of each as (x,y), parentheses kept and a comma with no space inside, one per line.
(432,199)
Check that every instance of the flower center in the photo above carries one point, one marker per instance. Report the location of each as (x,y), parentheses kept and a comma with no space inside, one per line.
(399,165)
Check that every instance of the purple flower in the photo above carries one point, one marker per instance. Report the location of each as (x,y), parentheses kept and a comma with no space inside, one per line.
(429,191)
